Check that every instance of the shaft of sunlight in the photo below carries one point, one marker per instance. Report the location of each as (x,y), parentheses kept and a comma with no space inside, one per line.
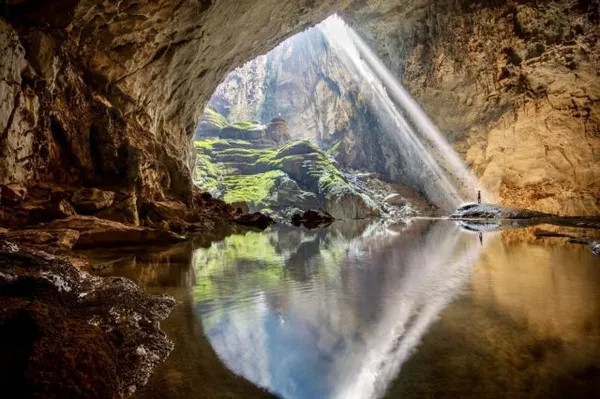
(445,179)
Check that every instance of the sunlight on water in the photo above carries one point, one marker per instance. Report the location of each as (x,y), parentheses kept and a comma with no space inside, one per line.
(431,162)
(359,310)
(305,338)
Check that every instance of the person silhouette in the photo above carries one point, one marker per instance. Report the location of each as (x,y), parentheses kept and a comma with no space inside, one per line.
(479,197)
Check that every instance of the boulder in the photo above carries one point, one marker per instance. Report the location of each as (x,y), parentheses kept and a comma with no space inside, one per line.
(71,334)
(100,232)
(255,219)
(395,200)
(348,204)
(124,211)
(492,211)
(167,210)
(50,211)
(91,200)
(12,194)
(312,219)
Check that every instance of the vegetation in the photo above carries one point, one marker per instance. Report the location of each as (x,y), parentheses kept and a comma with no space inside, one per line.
(247,125)
(243,173)
(255,189)
(212,116)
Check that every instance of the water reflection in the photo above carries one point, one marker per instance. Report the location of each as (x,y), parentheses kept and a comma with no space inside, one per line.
(358,310)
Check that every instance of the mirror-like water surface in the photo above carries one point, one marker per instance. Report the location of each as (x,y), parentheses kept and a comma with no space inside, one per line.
(362,311)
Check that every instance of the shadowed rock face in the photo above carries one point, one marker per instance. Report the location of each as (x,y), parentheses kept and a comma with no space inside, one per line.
(106,93)
(514,85)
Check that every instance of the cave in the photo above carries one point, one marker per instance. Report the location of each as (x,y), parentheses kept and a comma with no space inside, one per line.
(303,199)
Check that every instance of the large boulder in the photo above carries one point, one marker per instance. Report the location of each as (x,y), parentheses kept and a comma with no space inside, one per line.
(312,219)
(256,219)
(64,239)
(91,200)
(493,211)
(122,210)
(50,210)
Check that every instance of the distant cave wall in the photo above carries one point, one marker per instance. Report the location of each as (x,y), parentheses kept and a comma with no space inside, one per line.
(301,80)
(514,85)
(107,93)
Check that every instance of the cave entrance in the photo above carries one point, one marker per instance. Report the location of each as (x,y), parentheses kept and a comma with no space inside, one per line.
(319,119)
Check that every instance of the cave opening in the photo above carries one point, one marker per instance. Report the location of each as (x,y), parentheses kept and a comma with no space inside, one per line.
(320,116)
(299,237)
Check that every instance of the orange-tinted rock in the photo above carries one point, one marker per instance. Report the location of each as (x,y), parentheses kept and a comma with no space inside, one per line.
(100,232)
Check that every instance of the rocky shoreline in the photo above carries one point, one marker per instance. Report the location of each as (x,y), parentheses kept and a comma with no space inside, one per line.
(67,333)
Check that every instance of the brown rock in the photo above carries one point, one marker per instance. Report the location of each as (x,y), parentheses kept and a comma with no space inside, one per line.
(124,211)
(256,219)
(63,239)
(166,210)
(100,232)
(12,194)
(90,200)
(71,334)
(50,211)
(312,219)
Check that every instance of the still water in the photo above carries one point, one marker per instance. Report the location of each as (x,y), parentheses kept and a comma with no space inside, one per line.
(361,310)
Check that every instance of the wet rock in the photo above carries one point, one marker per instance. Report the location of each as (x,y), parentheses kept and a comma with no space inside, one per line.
(166,210)
(66,333)
(491,211)
(64,239)
(255,219)
(100,232)
(12,194)
(312,219)
(90,200)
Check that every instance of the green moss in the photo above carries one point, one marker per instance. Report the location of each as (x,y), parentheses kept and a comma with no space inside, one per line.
(333,150)
(247,125)
(253,189)
(212,116)
(257,170)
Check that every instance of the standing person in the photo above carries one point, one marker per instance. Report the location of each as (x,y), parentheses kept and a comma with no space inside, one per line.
(479,197)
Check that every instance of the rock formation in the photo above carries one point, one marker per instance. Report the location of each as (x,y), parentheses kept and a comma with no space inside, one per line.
(66,333)
(107,94)
(515,86)
(250,171)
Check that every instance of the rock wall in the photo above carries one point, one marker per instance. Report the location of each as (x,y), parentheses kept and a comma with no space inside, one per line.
(107,94)
(302,81)
(514,84)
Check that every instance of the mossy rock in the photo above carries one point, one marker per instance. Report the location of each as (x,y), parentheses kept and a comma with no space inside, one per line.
(254,176)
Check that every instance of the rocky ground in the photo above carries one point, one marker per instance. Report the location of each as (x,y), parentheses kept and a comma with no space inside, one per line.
(66,333)
(491,217)
(57,218)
